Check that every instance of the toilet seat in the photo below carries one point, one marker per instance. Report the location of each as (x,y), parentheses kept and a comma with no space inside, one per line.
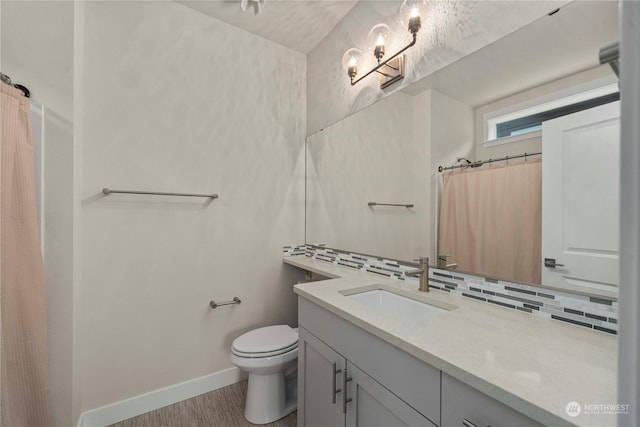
(266,342)
(264,354)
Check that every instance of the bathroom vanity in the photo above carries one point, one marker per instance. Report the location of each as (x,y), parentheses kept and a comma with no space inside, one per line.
(459,363)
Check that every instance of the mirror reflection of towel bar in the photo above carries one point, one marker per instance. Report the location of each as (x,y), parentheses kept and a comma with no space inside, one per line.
(108,191)
(389,204)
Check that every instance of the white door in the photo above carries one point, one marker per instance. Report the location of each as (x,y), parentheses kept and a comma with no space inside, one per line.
(581,199)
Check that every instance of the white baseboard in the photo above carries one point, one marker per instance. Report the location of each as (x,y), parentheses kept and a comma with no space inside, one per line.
(156,399)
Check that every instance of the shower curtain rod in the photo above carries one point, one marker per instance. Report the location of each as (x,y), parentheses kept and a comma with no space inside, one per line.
(610,54)
(6,79)
(479,163)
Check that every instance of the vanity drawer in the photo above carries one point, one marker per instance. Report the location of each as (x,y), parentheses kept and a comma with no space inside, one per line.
(465,406)
(412,380)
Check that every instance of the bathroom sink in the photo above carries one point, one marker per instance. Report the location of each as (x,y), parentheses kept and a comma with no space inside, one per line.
(392,304)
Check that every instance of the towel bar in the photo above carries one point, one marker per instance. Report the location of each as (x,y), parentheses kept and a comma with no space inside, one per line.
(390,204)
(214,304)
(108,191)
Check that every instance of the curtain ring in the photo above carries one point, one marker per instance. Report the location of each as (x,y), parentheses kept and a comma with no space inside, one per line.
(25,91)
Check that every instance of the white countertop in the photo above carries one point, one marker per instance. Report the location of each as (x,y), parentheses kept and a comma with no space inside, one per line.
(534,365)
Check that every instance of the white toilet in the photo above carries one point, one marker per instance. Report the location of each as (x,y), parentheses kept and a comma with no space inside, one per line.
(270,356)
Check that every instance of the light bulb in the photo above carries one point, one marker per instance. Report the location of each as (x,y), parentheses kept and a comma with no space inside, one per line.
(350,61)
(378,37)
(411,14)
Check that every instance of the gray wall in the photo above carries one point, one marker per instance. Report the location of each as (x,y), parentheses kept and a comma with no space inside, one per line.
(161,113)
(135,98)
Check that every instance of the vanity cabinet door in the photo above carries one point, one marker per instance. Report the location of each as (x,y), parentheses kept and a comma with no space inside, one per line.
(465,406)
(372,405)
(320,381)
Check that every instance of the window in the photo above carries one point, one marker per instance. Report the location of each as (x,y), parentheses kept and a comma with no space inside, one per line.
(533,122)
(525,120)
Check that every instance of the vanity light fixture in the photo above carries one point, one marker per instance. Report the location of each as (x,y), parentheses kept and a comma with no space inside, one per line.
(412,9)
(391,69)
(378,37)
(350,61)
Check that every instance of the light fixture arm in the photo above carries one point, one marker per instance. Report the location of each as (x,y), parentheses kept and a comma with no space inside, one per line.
(385,74)
(383,63)
(390,66)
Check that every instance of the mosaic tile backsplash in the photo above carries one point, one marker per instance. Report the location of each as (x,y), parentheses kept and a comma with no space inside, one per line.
(589,312)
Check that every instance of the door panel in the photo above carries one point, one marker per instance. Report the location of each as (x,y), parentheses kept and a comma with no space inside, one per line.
(461,402)
(315,383)
(373,405)
(580,200)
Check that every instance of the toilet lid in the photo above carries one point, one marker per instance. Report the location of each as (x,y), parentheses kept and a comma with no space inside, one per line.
(292,347)
(266,340)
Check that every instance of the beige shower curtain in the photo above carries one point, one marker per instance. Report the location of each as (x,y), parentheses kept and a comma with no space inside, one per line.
(491,220)
(24,391)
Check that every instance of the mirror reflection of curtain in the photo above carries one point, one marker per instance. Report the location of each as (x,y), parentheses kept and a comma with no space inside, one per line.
(490,220)
(24,388)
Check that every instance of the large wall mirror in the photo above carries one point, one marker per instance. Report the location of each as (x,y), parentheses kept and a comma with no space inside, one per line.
(373,183)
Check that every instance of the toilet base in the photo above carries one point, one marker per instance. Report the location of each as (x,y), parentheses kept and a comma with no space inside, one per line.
(269,398)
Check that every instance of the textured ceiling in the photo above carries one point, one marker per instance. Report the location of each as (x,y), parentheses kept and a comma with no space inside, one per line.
(545,50)
(296,24)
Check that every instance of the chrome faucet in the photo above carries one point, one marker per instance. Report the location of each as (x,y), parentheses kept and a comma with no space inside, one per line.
(422,272)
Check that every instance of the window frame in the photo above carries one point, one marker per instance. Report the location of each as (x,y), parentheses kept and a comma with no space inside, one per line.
(575,94)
